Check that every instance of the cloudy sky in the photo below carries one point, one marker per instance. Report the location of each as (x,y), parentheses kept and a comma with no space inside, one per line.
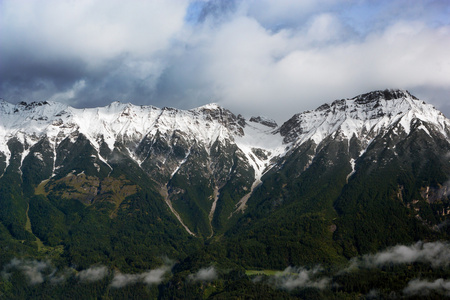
(255,57)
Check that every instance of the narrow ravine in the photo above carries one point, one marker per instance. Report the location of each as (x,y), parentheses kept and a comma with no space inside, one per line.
(242,204)
(213,209)
(39,243)
(165,193)
(213,206)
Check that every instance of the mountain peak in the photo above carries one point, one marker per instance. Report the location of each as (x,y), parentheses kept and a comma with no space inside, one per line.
(29,106)
(370,112)
(115,104)
(118,105)
(212,105)
(387,94)
(223,115)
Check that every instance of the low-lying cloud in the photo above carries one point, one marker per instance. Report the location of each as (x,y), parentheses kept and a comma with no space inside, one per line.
(35,271)
(292,278)
(92,274)
(436,254)
(121,280)
(151,277)
(204,274)
(38,272)
(424,287)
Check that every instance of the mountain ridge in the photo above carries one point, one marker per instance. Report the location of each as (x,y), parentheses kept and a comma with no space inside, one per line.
(207,147)
(117,120)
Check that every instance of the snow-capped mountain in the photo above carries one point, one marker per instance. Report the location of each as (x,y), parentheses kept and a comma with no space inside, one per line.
(133,125)
(206,161)
(208,142)
(362,117)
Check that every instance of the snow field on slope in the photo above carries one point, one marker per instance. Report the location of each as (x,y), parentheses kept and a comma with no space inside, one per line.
(342,119)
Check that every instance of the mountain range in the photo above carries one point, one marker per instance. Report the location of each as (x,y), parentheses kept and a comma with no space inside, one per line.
(124,185)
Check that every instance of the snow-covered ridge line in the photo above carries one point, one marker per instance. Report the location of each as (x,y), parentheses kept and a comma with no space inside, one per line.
(51,118)
(119,122)
(260,139)
(362,116)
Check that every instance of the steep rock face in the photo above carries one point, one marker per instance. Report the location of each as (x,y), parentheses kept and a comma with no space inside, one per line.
(211,166)
(264,121)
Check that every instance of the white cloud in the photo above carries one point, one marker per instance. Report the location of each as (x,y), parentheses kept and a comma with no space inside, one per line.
(121,280)
(70,93)
(94,30)
(249,68)
(404,56)
(38,272)
(325,27)
(155,276)
(437,254)
(35,271)
(424,287)
(92,274)
(292,278)
(204,274)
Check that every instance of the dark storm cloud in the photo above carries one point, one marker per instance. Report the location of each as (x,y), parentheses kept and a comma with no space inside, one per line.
(23,77)
(67,51)
(253,57)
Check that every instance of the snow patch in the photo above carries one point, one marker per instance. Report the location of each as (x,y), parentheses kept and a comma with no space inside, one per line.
(38,156)
(260,144)
(424,129)
(352,164)
(258,136)
(181,163)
